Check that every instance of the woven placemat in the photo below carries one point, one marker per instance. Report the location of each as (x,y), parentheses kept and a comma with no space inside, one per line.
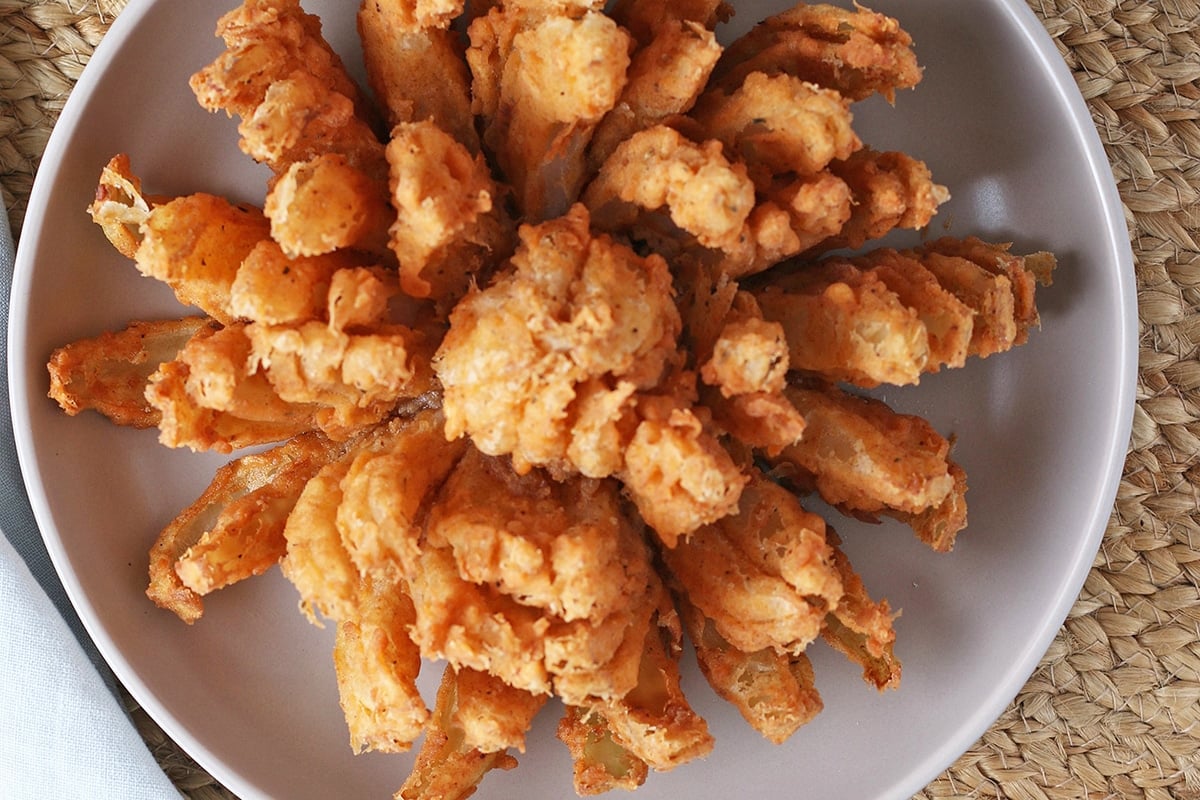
(1112,710)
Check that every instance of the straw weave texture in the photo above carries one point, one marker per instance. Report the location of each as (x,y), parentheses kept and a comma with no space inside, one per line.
(1112,710)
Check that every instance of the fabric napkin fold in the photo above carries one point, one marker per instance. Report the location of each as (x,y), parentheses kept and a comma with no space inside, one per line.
(63,732)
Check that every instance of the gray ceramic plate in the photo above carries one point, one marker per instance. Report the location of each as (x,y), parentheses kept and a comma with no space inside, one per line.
(249,690)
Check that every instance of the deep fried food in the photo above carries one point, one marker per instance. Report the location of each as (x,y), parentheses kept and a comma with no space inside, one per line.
(448,766)
(120,207)
(575,308)
(377,666)
(326,204)
(526,451)
(664,79)
(234,528)
(857,53)
(642,18)
(764,576)
(273,288)
(388,490)
(451,227)
(866,459)
(779,124)
(860,627)
(415,65)
(864,456)
(773,691)
(195,244)
(599,763)
(891,191)
(110,372)
(557,78)
(679,475)
(847,325)
(567,547)
(654,720)
(267,40)
(704,193)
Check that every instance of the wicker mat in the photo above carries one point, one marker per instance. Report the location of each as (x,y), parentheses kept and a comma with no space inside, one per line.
(1114,707)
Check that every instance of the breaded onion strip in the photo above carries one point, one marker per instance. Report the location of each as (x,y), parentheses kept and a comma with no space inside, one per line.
(664,79)
(654,721)
(704,193)
(566,547)
(377,666)
(866,459)
(388,491)
(764,576)
(599,764)
(265,41)
(109,373)
(642,18)
(415,65)
(846,324)
(326,204)
(857,53)
(773,691)
(447,765)
(120,207)
(195,244)
(891,191)
(779,124)
(861,628)
(557,80)
(450,226)
(234,528)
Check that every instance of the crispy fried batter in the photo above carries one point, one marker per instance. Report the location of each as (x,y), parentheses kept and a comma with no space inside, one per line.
(492,715)
(576,308)
(377,666)
(779,124)
(857,53)
(110,372)
(643,18)
(326,204)
(387,492)
(654,721)
(564,547)
(862,628)
(120,208)
(679,475)
(447,766)
(664,79)
(316,561)
(599,763)
(415,65)
(555,78)
(1022,272)
(773,691)
(357,378)
(195,244)
(273,288)
(865,457)
(891,190)
(847,324)
(299,118)
(764,576)
(234,528)
(267,40)
(704,193)
(475,626)
(451,226)
(183,422)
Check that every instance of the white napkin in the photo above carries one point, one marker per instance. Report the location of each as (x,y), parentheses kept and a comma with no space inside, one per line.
(63,733)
